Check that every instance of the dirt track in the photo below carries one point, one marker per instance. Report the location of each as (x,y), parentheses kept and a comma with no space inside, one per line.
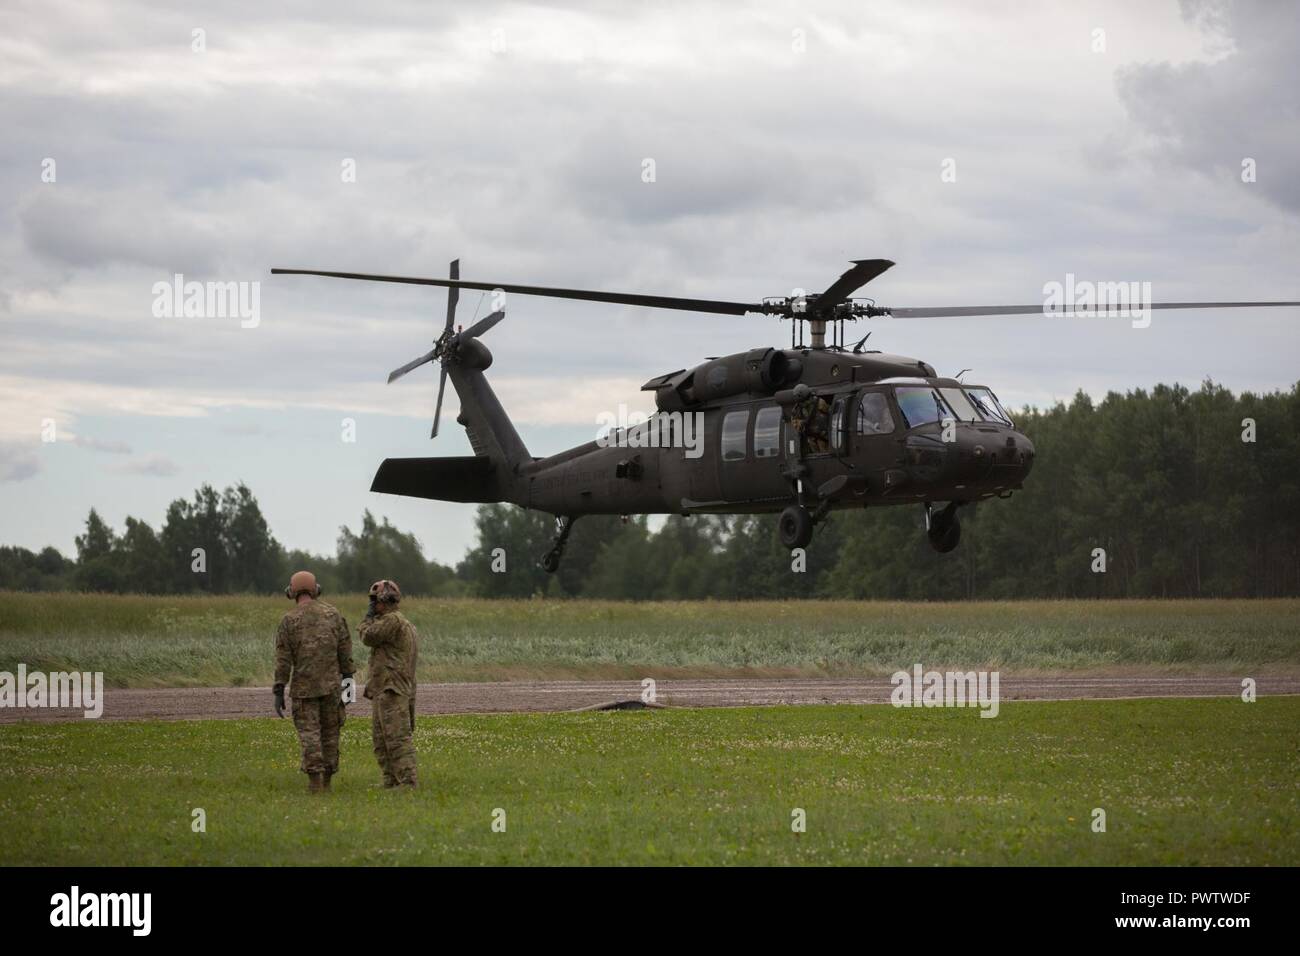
(203,703)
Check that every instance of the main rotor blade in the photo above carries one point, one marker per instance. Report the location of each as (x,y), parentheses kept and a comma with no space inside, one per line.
(863,271)
(437,411)
(453,294)
(397,373)
(588,295)
(948,311)
(482,325)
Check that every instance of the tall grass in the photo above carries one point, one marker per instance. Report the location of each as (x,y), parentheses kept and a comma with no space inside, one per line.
(213,641)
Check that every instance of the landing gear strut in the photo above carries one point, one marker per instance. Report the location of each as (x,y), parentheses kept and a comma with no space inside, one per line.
(551,559)
(942,527)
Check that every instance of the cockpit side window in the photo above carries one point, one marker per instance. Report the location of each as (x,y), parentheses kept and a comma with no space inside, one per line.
(874,417)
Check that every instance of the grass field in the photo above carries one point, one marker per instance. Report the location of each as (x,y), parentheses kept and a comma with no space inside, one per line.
(142,641)
(1181,782)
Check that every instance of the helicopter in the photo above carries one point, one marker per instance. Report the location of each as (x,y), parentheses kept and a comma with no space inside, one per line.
(798,432)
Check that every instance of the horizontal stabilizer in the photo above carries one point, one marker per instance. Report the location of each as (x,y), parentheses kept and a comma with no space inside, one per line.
(466,479)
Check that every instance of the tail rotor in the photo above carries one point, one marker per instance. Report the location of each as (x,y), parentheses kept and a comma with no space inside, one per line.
(445,347)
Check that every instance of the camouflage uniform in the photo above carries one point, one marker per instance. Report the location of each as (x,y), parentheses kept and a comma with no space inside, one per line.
(313,645)
(390,686)
(809,418)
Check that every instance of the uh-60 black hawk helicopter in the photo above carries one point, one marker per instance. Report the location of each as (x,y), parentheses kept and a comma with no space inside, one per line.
(801,431)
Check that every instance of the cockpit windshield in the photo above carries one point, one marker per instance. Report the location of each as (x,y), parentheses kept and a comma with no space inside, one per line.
(920,404)
(987,404)
(957,401)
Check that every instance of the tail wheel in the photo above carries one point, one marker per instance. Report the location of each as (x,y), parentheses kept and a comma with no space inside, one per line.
(551,562)
(795,527)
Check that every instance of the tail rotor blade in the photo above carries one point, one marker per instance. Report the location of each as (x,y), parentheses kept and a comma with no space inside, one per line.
(453,294)
(483,324)
(397,373)
(437,411)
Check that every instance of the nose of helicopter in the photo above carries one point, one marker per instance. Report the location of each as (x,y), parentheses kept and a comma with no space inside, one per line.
(1004,457)
(1024,454)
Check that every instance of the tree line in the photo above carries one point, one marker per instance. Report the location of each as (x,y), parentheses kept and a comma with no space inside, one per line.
(1160,493)
(219,543)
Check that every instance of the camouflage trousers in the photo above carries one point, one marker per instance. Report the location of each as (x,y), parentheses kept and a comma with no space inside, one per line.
(318,720)
(392,725)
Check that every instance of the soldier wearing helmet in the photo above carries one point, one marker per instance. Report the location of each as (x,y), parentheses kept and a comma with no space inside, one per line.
(313,655)
(810,416)
(390,683)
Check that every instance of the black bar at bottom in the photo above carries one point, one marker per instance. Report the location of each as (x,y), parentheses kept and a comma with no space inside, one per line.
(277,906)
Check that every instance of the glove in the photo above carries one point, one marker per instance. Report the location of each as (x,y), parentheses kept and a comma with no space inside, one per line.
(372,611)
(279,699)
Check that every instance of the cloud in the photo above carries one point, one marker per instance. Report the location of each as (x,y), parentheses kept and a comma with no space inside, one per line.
(17,462)
(83,228)
(1243,104)
(96,444)
(158,466)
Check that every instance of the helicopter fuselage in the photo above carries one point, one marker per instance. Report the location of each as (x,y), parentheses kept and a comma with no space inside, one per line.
(887,437)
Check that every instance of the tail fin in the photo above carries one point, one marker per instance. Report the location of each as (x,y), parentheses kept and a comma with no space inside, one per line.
(485,476)
(491,433)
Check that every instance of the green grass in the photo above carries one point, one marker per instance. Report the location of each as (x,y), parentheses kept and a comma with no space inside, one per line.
(221,641)
(1182,782)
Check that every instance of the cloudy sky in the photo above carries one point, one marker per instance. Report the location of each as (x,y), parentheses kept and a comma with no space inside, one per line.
(1106,140)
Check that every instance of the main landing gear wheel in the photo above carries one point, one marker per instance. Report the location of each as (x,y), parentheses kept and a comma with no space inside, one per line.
(795,527)
(943,528)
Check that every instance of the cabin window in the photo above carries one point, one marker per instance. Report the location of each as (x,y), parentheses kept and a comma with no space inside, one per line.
(767,432)
(874,417)
(734,427)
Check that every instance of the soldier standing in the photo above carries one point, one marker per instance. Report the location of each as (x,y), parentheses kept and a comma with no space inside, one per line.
(390,683)
(313,647)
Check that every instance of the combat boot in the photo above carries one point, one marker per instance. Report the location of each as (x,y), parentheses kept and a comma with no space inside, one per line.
(325,779)
(315,782)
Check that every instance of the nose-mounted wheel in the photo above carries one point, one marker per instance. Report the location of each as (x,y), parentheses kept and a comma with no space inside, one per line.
(942,527)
